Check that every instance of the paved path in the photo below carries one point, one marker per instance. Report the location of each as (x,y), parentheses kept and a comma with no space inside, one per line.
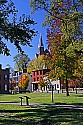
(60,106)
(46,105)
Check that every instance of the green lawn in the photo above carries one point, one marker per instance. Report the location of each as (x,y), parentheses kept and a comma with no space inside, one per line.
(24,115)
(42,116)
(44,98)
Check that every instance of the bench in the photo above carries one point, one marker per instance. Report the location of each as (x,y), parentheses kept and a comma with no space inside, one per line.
(21,100)
(27,98)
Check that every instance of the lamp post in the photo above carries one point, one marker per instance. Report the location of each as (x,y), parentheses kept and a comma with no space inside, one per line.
(52,89)
(52,93)
(50,83)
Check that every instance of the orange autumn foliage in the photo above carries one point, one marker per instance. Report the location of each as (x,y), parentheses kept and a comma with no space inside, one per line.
(24,80)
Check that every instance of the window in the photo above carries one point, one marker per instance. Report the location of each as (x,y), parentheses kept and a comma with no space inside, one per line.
(40,72)
(34,79)
(37,78)
(37,72)
(6,77)
(34,73)
(57,85)
(17,79)
(5,87)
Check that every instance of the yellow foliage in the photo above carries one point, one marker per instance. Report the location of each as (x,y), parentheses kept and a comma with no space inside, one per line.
(24,80)
(42,82)
(36,64)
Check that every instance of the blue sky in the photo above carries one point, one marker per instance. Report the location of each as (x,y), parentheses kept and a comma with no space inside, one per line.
(24,8)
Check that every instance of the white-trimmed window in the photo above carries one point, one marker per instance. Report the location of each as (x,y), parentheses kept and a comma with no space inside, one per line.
(5,87)
(5,77)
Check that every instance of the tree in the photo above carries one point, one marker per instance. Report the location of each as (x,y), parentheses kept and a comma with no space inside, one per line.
(12,29)
(77,83)
(24,80)
(12,84)
(36,64)
(21,61)
(65,18)
(42,82)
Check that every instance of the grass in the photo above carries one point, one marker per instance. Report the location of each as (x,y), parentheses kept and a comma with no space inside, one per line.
(24,115)
(42,116)
(45,98)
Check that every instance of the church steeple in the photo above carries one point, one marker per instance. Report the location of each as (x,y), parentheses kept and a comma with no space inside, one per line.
(40,42)
(41,50)
(40,46)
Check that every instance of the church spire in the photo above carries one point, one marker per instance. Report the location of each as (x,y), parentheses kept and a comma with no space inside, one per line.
(40,42)
(40,46)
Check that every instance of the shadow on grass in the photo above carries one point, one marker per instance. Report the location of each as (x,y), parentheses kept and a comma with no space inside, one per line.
(80,95)
(60,103)
(42,116)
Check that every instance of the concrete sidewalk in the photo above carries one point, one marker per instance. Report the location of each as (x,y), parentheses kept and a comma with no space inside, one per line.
(45,105)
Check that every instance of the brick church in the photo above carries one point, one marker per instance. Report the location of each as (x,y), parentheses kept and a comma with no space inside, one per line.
(41,50)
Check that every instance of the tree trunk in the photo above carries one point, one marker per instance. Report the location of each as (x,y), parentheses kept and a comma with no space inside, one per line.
(67,92)
(76,89)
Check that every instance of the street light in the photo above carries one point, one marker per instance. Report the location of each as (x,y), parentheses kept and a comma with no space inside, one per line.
(52,93)
(50,83)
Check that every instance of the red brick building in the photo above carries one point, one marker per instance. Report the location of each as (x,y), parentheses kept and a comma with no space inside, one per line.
(36,76)
(4,80)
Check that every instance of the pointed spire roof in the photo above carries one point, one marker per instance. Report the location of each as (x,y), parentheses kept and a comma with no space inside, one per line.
(40,42)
